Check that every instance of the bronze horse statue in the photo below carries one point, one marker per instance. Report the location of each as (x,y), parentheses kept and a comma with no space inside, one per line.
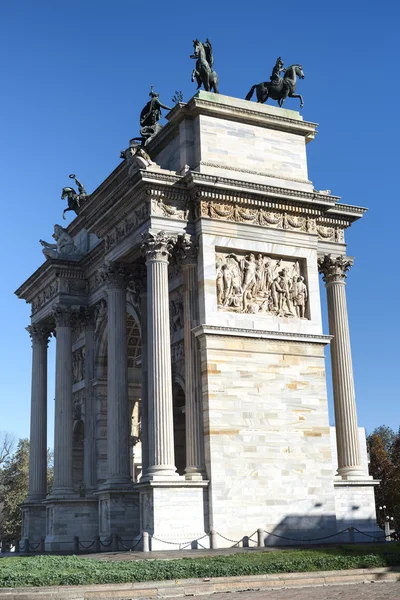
(74,199)
(203,71)
(285,88)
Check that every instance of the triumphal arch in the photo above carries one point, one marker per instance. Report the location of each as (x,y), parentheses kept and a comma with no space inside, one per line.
(190,370)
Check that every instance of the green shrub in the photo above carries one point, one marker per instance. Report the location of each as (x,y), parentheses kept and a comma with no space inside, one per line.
(72,570)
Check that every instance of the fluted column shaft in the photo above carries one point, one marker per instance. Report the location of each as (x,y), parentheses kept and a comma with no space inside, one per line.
(348,444)
(160,409)
(118,413)
(144,393)
(38,431)
(63,403)
(193,413)
(89,457)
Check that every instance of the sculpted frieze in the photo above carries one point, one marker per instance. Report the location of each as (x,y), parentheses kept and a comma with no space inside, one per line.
(43,297)
(257,283)
(177,352)
(78,405)
(176,311)
(279,218)
(129,223)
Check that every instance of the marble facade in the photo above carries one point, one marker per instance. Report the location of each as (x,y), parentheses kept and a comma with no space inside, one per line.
(190,369)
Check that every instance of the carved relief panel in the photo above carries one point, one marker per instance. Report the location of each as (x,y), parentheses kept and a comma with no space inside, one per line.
(258,283)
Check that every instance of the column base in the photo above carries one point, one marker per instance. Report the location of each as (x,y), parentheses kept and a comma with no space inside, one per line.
(173,513)
(353,473)
(165,473)
(194,474)
(67,518)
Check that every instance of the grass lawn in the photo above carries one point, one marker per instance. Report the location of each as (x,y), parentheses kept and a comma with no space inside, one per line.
(73,570)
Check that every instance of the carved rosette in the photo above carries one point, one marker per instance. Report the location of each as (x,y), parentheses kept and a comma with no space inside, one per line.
(39,334)
(115,276)
(334,270)
(62,315)
(186,250)
(157,246)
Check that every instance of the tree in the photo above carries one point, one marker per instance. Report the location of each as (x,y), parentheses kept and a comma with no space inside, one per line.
(14,489)
(7,443)
(384,452)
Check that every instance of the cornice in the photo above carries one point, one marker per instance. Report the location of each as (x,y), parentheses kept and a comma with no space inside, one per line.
(235,109)
(47,272)
(204,330)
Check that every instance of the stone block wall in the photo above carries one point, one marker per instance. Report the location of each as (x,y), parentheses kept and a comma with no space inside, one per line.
(267,438)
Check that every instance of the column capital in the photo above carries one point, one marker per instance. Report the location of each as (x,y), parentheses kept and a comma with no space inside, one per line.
(39,334)
(186,248)
(334,269)
(157,245)
(62,315)
(115,275)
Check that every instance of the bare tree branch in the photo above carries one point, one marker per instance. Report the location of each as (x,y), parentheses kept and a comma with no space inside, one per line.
(7,445)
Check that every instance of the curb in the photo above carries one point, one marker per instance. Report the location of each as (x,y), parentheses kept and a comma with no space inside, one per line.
(199,587)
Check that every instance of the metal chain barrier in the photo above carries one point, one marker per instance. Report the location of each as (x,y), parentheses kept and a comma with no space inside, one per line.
(371,536)
(104,544)
(33,546)
(326,537)
(81,544)
(120,541)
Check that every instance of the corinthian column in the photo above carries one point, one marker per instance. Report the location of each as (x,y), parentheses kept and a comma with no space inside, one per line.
(156,248)
(193,413)
(118,414)
(63,404)
(348,446)
(38,433)
(145,377)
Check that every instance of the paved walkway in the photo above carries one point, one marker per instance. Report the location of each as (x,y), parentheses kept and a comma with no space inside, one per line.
(358,591)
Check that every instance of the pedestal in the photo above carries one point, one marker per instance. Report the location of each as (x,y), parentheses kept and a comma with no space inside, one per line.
(174,513)
(69,517)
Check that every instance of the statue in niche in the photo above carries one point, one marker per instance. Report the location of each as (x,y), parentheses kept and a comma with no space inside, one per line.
(74,199)
(203,71)
(279,88)
(64,248)
(100,315)
(259,284)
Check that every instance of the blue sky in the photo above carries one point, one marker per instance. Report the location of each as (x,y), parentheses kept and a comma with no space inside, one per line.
(74,77)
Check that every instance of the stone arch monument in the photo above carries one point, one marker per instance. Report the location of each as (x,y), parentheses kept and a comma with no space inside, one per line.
(191,308)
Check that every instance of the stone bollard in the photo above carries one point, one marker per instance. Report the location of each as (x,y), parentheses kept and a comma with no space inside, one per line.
(194,545)
(76,545)
(260,538)
(114,543)
(245,541)
(97,543)
(213,539)
(146,545)
(42,545)
(17,547)
(25,545)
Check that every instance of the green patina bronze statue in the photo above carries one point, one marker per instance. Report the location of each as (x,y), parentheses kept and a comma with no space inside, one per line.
(203,71)
(74,199)
(279,88)
(149,118)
